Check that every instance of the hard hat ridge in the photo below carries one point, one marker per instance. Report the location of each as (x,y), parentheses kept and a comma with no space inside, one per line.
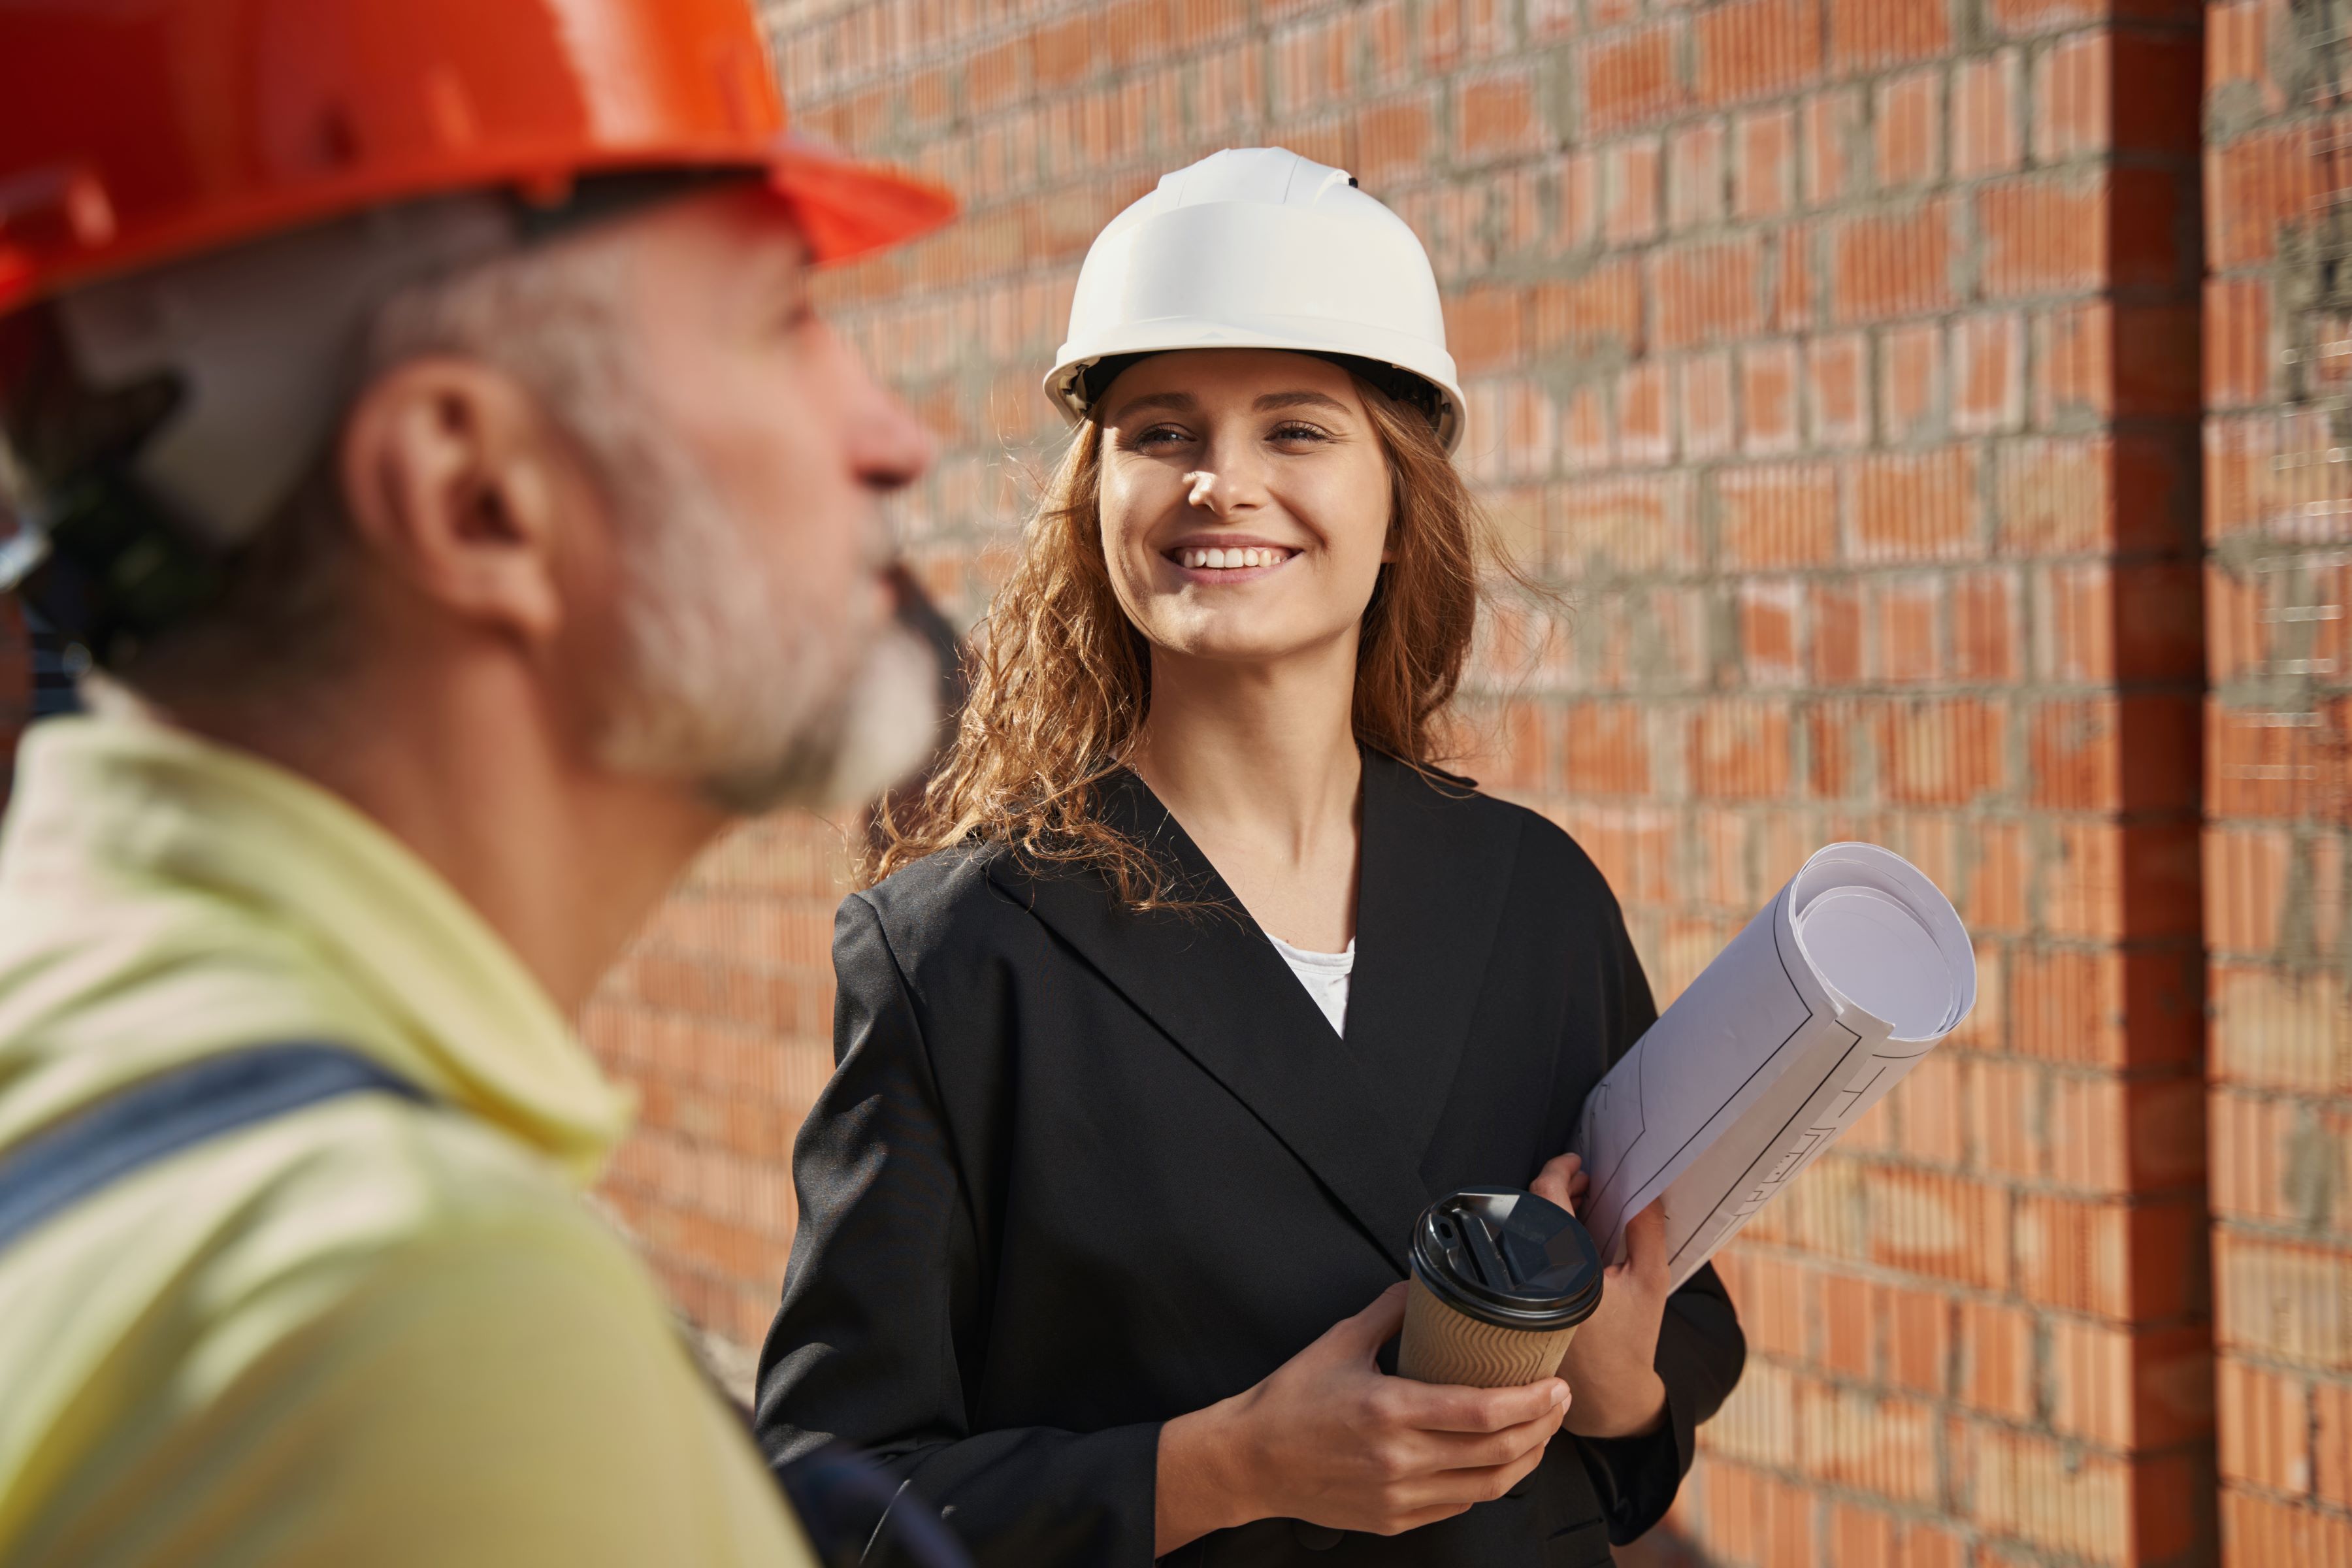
(1258,248)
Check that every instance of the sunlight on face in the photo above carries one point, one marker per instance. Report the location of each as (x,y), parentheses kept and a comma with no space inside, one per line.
(754,449)
(1245,503)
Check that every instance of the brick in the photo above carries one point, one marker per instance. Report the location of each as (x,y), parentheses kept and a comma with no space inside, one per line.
(1882,1445)
(1630,175)
(1764,164)
(2239,350)
(1694,175)
(1986,136)
(1748,49)
(1706,292)
(1892,264)
(2072,107)
(2265,1428)
(1395,137)
(1791,260)
(1837,371)
(1911,383)
(1770,632)
(1496,116)
(1914,508)
(1834,611)
(1886,32)
(2256,185)
(2042,235)
(1943,752)
(1777,515)
(997,76)
(1631,77)
(1645,425)
(1586,440)
(1615,526)
(1985,628)
(2331,1443)
(2132,1262)
(1486,329)
(1767,399)
(2277,1030)
(1703,402)
(1753,1517)
(1598,313)
(1945,1227)
(1906,628)
(1989,374)
(2266,1529)
(1832,127)
(2284,1300)
(1740,749)
(1910,129)
(1607,748)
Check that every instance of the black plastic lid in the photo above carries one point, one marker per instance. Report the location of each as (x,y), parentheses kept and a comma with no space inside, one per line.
(1507,1257)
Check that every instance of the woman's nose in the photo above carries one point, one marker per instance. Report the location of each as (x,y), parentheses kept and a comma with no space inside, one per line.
(1223,487)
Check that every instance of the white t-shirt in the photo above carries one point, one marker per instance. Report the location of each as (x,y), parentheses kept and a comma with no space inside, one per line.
(1325,975)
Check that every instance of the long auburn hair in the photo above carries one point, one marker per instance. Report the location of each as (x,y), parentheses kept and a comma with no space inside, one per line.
(1060,680)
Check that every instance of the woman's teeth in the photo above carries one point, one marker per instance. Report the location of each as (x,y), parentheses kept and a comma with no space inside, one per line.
(1230,560)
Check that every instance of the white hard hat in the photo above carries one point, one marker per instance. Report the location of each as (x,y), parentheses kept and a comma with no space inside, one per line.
(1259,247)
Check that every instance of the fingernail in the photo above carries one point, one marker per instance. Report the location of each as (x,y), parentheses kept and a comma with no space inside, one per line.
(1559,1394)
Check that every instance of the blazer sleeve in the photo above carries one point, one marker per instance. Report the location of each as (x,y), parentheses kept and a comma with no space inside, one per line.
(1700,1347)
(880,1322)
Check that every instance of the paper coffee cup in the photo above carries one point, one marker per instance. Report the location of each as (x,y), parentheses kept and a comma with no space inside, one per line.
(1501,1281)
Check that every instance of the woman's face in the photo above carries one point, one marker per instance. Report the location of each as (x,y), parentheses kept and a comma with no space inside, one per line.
(1244,503)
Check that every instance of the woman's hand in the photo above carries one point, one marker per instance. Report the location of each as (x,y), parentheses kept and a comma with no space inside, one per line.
(1611,1363)
(1328,1438)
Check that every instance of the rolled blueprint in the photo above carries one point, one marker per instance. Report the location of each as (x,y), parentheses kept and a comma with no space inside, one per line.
(1838,987)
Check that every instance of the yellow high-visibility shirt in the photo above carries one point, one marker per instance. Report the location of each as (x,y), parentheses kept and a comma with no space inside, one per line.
(370,1332)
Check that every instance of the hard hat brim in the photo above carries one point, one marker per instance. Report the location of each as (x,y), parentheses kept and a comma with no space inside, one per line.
(1177,335)
(847,209)
(843,208)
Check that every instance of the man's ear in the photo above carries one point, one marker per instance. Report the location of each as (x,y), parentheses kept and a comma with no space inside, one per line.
(456,483)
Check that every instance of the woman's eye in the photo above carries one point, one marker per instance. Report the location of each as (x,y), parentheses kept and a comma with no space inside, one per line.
(1160,436)
(1297,431)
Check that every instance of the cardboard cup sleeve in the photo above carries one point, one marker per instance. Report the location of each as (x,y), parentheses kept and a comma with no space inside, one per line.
(1501,1281)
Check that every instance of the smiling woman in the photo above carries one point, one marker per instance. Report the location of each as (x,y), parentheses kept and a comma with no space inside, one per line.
(1201,451)
(1191,980)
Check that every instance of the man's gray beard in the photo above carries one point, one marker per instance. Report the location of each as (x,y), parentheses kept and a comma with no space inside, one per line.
(727,682)
(875,732)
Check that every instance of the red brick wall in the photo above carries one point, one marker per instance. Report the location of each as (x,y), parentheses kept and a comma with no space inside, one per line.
(2278,518)
(1841,357)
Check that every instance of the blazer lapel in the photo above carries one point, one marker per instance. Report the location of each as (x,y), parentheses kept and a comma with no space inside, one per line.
(1215,987)
(1434,877)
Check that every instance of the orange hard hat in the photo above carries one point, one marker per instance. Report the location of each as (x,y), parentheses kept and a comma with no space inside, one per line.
(139,131)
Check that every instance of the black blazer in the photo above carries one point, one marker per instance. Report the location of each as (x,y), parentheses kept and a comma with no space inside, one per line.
(1081,1170)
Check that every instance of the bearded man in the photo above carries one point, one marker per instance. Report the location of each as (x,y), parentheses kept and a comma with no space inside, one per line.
(417,411)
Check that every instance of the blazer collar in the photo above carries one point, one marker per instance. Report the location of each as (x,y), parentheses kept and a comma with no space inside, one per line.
(1358,1113)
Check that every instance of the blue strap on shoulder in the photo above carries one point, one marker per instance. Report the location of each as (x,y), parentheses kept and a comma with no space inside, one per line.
(176,1110)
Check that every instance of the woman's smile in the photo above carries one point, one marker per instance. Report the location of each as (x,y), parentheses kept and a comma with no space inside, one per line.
(1224,559)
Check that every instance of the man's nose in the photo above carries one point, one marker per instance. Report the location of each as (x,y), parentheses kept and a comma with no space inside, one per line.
(888,447)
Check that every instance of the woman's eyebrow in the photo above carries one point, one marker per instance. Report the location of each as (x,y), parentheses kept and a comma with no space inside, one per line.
(1179,402)
(1299,400)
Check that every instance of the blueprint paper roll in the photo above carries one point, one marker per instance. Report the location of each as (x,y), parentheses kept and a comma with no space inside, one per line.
(1838,987)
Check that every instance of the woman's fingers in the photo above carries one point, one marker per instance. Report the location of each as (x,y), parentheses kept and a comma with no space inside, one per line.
(1480,1451)
(1645,1244)
(1450,1408)
(1556,1182)
(1441,1494)
(1362,1335)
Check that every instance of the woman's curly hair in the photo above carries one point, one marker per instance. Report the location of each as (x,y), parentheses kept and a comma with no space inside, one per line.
(1060,678)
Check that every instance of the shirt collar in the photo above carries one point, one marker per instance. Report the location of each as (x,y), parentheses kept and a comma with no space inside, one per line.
(140,805)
